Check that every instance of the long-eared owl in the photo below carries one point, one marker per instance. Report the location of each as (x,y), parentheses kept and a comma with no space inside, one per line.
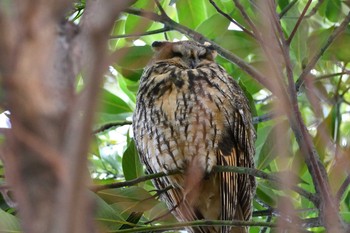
(190,116)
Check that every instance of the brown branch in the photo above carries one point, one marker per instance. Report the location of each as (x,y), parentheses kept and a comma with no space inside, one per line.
(240,170)
(111,125)
(263,118)
(247,19)
(162,30)
(289,40)
(328,211)
(195,224)
(287,8)
(315,9)
(162,11)
(318,55)
(132,182)
(326,76)
(343,188)
(96,24)
(231,19)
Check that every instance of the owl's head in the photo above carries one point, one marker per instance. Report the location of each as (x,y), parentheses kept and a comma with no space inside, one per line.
(188,53)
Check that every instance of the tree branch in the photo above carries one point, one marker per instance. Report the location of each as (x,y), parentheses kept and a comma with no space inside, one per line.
(328,210)
(162,30)
(197,223)
(326,76)
(231,19)
(111,125)
(240,170)
(343,188)
(247,19)
(287,8)
(289,40)
(99,17)
(132,182)
(315,9)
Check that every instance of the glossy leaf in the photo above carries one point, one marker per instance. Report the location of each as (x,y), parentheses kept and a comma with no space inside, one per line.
(107,216)
(132,166)
(135,24)
(129,199)
(269,150)
(191,12)
(210,28)
(331,9)
(112,104)
(134,58)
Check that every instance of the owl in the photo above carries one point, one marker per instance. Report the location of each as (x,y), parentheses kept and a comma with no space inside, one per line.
(190,116)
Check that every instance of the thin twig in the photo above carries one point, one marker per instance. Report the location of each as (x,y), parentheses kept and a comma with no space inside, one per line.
(231,19)
(318,55)
(247,19)
(110,126)
(315,9)
(343,188)
(162,11)
(264,229)
(133,181)
(289,40)
(263,118)
(197,223)
(326,76)
(287,8)
(161,30)
(240,170)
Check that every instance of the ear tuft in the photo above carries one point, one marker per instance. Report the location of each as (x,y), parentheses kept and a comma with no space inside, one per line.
(210,47)
(157,45)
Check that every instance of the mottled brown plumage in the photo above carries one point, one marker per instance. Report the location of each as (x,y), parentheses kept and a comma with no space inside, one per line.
(191,115)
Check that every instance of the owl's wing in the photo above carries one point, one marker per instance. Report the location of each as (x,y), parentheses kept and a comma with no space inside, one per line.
(237,149)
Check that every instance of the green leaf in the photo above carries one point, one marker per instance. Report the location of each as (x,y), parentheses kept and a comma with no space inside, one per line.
(210,29)
(105,118)
(283,3)
(266,193)
(106,215)
(270,148)
(339,48)
(112,104)
(298,46)
(134,58)
(132,166)
(131,199)
(125,85)
(134,24)
(237,42)
(331,9)
(9,223)
(191,12)
(160,211)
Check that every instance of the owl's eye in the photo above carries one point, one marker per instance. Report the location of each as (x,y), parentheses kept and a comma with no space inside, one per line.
(202,56)
(177,54)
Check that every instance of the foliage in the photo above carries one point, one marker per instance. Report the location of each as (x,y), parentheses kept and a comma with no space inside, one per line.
(323,99)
